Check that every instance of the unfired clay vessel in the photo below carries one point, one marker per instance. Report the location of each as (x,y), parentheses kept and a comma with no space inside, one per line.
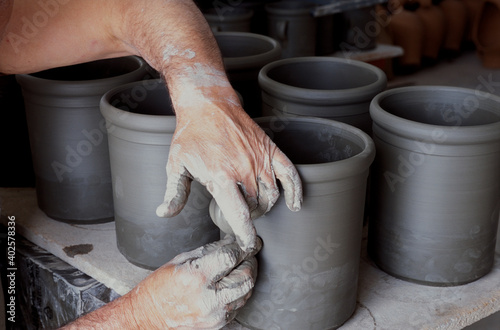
(325,87)
(293,25)
(141,122)
(308,266)
(436,183)
(68,136)
(244,54)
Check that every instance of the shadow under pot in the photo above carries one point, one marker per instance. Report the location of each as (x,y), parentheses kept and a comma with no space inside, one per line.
(324,87)
(436,184)
(141,124)
(68,136)
(309,264)
(244,54)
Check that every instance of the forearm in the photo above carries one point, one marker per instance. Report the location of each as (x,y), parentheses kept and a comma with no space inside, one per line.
(118,314)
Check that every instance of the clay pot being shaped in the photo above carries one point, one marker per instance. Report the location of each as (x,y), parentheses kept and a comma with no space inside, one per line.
(244,54)
(293,25)
(455,14)
(486,33)
(68,136)
(228,18)
(435,184)
(308,266)
(433,20)
(407,31)
(141,122)
(325,87)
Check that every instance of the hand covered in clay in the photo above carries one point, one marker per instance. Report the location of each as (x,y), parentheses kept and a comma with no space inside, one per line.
(201,289)
(219,145)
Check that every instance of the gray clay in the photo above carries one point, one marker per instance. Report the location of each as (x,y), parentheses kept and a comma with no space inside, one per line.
(308,266)
(322,87)
(141,123)
(244,54)
(436,183)
(68,136)
(293,25)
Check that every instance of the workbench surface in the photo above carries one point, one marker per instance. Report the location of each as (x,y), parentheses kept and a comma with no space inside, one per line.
(384,302)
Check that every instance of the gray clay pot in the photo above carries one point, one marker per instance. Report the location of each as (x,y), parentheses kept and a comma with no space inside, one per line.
(244,54)
(294,26)
(308,266)
(325,87)
(436,183)
(141,123)
(68,136)
(228,19)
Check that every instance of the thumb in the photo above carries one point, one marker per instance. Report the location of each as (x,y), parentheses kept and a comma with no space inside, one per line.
(177,192)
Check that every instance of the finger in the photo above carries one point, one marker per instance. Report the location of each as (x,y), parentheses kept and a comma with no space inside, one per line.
(286,172)
(238,283)
(237,214)
(177,192)
(268,194)
(202,250)
(220,259)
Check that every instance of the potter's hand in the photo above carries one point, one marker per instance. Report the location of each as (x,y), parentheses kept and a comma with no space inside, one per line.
(201,289)
(219,145)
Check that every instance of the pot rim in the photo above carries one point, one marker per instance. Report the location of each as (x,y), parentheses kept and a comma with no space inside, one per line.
(423,132)
(314,96)
(347,167)
(252,61)
(80,87)
(135,121)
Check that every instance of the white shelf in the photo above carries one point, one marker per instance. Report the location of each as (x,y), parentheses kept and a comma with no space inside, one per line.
(384,302)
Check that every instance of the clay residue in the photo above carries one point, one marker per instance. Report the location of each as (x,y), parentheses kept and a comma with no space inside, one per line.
(73,250)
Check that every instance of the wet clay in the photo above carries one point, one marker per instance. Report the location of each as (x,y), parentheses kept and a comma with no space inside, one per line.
(308,266)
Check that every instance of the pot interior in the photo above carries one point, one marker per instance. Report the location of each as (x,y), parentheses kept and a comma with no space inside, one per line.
(322,75)
(307,142)
(442,107)
(147,97)
(241,45)
(100,69)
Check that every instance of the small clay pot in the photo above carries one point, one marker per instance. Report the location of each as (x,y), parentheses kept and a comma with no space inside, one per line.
(435,184)
(68,136)
(324,87)
(433,20)
(407,31)
(141,122)
(224,19)
(455,14)
(293,25)
(308,266)
(244,54)
(473,7)
(486,33)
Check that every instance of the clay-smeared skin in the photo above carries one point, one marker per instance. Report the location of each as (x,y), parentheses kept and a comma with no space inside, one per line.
(225,151)
(220,276)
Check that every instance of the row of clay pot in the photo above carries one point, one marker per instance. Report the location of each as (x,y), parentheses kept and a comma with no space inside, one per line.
(431,222)
(293,24)
(424,30)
